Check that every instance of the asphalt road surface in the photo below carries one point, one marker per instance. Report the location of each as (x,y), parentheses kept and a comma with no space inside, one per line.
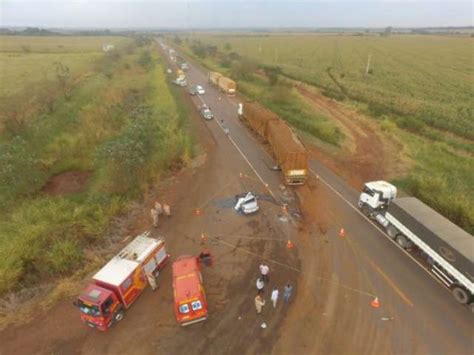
(417,315)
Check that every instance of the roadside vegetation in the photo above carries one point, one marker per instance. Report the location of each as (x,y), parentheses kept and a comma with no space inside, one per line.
(111,115)
(265,84)
(418,88)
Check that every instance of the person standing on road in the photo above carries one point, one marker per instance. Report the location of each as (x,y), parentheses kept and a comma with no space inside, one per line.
(264,269)
(259,303)
(260,284)
(151,280)
(274,296)
(166,209)
(287,292)
(154,217)
(158,208)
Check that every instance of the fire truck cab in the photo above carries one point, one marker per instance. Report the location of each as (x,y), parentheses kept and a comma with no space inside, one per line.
(118,284)
(190,302)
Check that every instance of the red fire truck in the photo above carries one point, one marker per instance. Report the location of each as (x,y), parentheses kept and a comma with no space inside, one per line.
(190,303)
(118,284)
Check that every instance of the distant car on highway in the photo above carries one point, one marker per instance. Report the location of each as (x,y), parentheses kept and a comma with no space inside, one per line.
(200,90)
(206,113)
(180,82)
(193,90)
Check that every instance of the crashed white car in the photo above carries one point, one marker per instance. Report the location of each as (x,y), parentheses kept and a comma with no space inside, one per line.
(246,204)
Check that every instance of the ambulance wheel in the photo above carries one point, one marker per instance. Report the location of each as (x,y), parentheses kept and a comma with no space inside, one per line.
(119,315)
(460,295)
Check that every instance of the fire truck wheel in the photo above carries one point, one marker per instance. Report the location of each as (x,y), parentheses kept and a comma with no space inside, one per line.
(460,295)
(119,315)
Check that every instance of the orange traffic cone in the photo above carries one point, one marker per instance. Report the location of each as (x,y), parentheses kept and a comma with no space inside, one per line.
(375,303)
(342,232)
(289,244)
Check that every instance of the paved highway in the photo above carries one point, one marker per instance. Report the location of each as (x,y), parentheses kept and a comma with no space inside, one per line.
(423,316)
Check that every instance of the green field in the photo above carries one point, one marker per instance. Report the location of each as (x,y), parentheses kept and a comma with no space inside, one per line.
(119,123)
(418,88)
(426,77)
(28,61)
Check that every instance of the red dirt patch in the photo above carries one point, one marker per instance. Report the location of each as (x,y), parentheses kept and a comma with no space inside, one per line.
(66,183)
(366,155)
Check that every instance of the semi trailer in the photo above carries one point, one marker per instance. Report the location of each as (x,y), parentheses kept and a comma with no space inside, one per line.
(289,152)
(444,249)
(226,85)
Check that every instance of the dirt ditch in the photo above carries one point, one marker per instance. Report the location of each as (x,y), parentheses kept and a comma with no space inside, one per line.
(67,182)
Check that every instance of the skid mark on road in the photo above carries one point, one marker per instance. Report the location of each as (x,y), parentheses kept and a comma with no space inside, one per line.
(332,296)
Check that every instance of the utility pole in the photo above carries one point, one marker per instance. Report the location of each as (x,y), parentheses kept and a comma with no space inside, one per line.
(368,65)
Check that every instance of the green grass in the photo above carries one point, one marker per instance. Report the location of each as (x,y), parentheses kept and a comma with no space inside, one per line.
(27,61)
(441,178)
(280,98)
(122,123)
(423,77)
(419,90)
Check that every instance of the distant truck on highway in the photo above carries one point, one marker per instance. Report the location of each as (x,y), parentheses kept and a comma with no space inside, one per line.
(289,151)
(116,286)
(226,85)
(447,251)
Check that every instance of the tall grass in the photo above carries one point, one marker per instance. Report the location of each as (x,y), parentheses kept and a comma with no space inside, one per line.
(121,123)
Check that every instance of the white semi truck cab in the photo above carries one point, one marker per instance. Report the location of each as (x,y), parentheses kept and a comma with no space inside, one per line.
(377,195)
(445,249)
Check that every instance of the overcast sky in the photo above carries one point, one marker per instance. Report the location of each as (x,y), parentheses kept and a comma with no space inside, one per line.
(235,13)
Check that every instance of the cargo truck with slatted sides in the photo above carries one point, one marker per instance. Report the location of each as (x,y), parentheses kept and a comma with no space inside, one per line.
(227,86)
(443,248)
(214,77)
(289,152)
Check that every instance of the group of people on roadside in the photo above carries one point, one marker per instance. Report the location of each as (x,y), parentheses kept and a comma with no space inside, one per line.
(159,210)
(259,300)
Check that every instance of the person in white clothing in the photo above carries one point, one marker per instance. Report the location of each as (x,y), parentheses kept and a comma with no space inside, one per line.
(274,297)
(260,284)
(264,269)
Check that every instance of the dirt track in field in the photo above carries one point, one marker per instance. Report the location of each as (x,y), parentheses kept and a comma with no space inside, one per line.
(366,155)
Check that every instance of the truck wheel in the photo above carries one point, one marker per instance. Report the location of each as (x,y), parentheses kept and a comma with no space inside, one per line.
(119,315)
(365,210)
(392,231)
(460,295)
(402,241)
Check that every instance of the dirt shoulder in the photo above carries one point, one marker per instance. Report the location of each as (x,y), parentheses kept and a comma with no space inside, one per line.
(239,244)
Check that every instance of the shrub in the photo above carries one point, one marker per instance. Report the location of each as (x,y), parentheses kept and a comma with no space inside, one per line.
(146,60)
(20,170)
(387,125)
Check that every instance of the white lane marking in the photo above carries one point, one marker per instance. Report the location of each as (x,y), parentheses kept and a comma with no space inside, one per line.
(241,153)
(375,226)
(342,197)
